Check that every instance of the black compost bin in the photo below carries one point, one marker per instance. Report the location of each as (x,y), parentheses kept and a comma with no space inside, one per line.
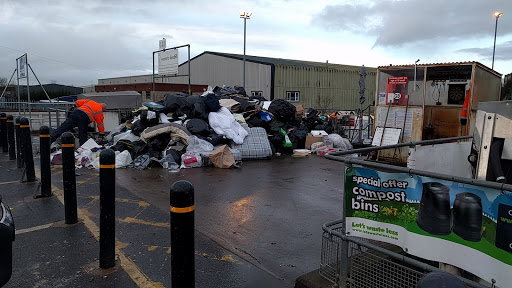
(440,279)
(467,216)
(434,215)
(6,238)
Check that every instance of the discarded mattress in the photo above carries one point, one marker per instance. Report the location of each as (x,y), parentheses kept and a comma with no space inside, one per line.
(256,144)
(178,132)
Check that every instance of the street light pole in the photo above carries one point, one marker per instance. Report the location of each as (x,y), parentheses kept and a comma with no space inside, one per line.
(497,16)
(245,16)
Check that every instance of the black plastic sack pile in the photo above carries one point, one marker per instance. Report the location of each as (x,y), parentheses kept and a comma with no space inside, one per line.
(184,105)
(283,110)
(229,91)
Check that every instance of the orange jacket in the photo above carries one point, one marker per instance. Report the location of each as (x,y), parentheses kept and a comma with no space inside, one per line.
(94,110)
(465,107)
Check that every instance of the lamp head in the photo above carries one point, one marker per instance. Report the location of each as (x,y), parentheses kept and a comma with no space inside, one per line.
(246,15)
(497,14)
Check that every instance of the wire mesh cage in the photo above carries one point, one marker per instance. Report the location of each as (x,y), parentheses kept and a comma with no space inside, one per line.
(367,267)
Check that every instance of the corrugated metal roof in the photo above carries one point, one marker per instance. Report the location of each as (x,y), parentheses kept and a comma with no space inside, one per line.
(442,64)
(281,61)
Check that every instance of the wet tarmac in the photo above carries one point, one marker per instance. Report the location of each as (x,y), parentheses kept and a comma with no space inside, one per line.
(256,226)
(269,212)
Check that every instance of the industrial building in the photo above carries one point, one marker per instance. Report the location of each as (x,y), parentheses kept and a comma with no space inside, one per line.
(322,86)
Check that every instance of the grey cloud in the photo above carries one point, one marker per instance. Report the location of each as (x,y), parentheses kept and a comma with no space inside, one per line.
(395,23)
(503,52)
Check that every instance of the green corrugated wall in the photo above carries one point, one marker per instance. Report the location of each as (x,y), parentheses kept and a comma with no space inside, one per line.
(334,88)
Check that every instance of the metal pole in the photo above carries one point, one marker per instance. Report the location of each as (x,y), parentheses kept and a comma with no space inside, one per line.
(7,85)
(18,87)
(46,169)
(182,235)
(28,95)
(10,136)
(343,250)
(39,82)
(245,20)
(28,157)
(189,90)
(494,47)
(69,177)
(107,208)
(153,77)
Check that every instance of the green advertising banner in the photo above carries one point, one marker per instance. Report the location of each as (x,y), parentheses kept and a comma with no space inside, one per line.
(459,224)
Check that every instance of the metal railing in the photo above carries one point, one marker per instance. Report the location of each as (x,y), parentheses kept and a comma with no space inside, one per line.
(350,261)
(51,114)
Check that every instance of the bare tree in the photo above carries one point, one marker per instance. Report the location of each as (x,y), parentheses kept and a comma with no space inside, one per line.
(324,101)
(3,82)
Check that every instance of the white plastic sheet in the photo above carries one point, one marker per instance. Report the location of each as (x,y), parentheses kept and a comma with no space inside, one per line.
(224,123)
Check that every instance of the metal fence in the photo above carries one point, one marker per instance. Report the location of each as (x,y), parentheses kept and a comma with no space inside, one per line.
(51,114)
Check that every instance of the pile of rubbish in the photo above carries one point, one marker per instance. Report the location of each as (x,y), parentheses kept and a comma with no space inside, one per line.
(220,128)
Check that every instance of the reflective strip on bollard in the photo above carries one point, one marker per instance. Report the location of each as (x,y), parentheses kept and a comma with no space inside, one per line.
(182,209)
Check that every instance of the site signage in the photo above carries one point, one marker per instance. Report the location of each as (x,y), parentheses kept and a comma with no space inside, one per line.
(22,62)
(398,80)
(168,62)
(463,225)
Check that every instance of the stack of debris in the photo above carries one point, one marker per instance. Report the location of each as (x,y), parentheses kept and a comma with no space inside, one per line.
(222,127)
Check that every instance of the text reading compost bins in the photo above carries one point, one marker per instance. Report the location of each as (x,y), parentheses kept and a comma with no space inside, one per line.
(358,203)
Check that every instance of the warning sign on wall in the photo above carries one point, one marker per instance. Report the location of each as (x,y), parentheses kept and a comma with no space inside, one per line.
(398,80)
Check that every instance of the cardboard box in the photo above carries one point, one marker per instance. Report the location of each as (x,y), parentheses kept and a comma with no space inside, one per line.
(299,112)
(310,139)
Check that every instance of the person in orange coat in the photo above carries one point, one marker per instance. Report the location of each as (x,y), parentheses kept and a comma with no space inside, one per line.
(87,112)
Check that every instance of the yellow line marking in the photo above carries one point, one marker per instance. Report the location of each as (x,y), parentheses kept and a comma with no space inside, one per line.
(137,276)
(152,248)
(123,200)
(35,228)
(138,221)
(169,251)
(227,258)
(10,182)
(158,285)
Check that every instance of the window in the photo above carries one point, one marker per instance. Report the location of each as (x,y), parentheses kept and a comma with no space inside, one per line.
(256,93)
(293,96)
(148,95)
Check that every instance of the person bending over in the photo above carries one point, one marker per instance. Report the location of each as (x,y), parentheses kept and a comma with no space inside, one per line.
(88,111)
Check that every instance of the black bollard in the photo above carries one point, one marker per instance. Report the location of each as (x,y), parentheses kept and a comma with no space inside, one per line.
(28,157)
(107,208)
(69,179)
(182,235)
(10,137)
(17,130)
(3,133)
(46,169)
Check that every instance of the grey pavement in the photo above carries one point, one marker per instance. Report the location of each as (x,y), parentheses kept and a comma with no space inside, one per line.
(256,226)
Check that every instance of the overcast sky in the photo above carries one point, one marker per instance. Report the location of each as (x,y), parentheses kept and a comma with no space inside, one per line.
(77,42)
